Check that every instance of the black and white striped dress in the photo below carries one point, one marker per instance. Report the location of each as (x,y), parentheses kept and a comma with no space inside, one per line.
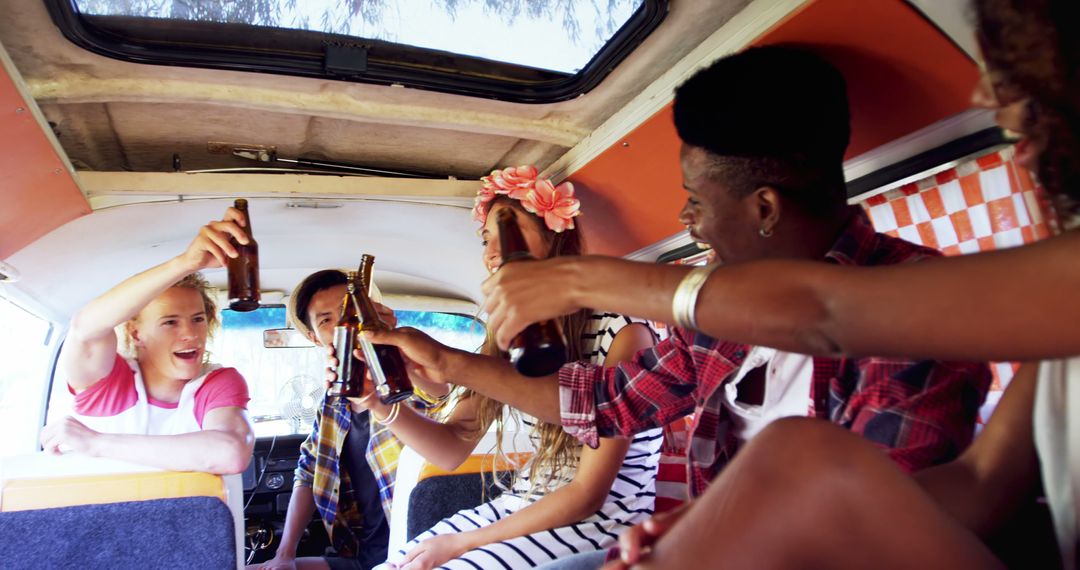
(629,501)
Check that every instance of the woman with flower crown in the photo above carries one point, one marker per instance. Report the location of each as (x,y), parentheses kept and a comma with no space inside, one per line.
(565,499)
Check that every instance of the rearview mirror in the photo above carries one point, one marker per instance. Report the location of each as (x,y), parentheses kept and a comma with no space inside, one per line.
(285,338)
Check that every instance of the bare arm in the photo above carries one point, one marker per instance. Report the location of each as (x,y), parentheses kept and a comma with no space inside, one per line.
(1001,464)
(819,308)
(566,505)
(90,347)
(445,445)
(595,474)
(222,447)
(491,376)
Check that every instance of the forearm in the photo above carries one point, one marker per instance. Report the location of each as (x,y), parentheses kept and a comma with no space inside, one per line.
(614,285)
(123,301)
(821,308)
(90,346)
(301,508)
(433,389)
(496,379)
(445,445)
(1001,464)
(745,303)
(979,501)
(566,505)
(735,304)
(958,490)
(211,451)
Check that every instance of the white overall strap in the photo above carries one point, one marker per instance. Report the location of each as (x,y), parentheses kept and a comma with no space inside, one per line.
(182,419)
(133,420)
(142,403)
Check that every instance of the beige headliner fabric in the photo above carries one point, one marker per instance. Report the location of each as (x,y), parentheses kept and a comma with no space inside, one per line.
(114,115)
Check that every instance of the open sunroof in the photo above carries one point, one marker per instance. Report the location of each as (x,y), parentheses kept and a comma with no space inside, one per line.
(518,50)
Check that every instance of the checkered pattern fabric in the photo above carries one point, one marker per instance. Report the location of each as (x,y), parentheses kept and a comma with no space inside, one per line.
(982,204)
(671,485)
(319,467)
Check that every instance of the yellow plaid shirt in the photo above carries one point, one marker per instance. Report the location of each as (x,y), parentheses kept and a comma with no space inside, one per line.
(319,467)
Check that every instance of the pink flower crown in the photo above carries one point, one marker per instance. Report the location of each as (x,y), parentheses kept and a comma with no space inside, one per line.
(555,204)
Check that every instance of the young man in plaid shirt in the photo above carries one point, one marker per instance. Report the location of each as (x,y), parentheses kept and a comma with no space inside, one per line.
(348,463)
(764,134)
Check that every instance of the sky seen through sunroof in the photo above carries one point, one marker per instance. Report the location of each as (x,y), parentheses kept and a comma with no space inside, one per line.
(557,35)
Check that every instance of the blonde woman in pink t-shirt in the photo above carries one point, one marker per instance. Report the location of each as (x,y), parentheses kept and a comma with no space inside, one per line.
(158,391)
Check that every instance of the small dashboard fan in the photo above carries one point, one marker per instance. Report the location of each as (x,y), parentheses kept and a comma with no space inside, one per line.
(300,398)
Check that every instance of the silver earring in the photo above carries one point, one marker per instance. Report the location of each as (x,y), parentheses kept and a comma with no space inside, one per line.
(765,233)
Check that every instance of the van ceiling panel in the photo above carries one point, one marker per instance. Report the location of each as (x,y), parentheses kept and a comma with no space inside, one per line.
(38,189)
(60,73)
(902,74)
(143,137)
(423,249)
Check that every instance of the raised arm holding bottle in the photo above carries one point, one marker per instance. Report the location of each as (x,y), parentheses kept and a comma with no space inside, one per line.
(166,314)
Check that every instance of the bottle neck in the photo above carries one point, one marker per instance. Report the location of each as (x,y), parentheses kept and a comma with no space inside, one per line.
(369,317)
(247,218)
(364,272)
(348,307)
(511,241)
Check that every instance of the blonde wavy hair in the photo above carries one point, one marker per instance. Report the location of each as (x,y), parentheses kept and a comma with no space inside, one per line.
(557,454)
(194,281)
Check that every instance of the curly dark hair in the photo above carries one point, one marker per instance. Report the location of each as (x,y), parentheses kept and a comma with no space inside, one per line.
(1035,46)
(771,116)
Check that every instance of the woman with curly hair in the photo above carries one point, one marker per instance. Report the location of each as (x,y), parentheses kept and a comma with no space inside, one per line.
(158,391)
(565,499)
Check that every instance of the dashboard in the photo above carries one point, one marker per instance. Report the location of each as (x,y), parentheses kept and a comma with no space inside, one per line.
(268,482)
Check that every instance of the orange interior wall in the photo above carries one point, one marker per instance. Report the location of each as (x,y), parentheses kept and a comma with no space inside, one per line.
(38,193)
(902,73)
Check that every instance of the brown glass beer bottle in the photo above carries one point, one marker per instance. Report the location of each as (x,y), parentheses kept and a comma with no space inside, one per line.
(350,371)
(387,366)
(538,350)
(244,268)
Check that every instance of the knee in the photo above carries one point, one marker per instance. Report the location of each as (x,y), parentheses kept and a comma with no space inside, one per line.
(804,447)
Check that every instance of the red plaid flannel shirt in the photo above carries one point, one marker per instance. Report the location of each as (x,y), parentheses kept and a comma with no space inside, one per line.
(920,412)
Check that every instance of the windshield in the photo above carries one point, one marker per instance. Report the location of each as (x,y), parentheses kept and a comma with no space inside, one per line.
(286,384)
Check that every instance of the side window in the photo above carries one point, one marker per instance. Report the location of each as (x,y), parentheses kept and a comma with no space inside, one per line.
(24,350)
(982,203)
(285,377)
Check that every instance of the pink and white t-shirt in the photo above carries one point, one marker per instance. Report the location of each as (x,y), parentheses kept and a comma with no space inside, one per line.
(118,403)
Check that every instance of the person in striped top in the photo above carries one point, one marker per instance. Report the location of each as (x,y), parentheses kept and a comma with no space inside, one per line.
(567,498)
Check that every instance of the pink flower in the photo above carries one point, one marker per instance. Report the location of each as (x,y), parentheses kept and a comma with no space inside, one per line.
(479,211)
(486,193)
(488,188)
(515,182)
(556,204)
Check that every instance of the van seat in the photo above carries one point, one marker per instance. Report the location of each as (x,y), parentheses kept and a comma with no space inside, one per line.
(439,493)
(96,513)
